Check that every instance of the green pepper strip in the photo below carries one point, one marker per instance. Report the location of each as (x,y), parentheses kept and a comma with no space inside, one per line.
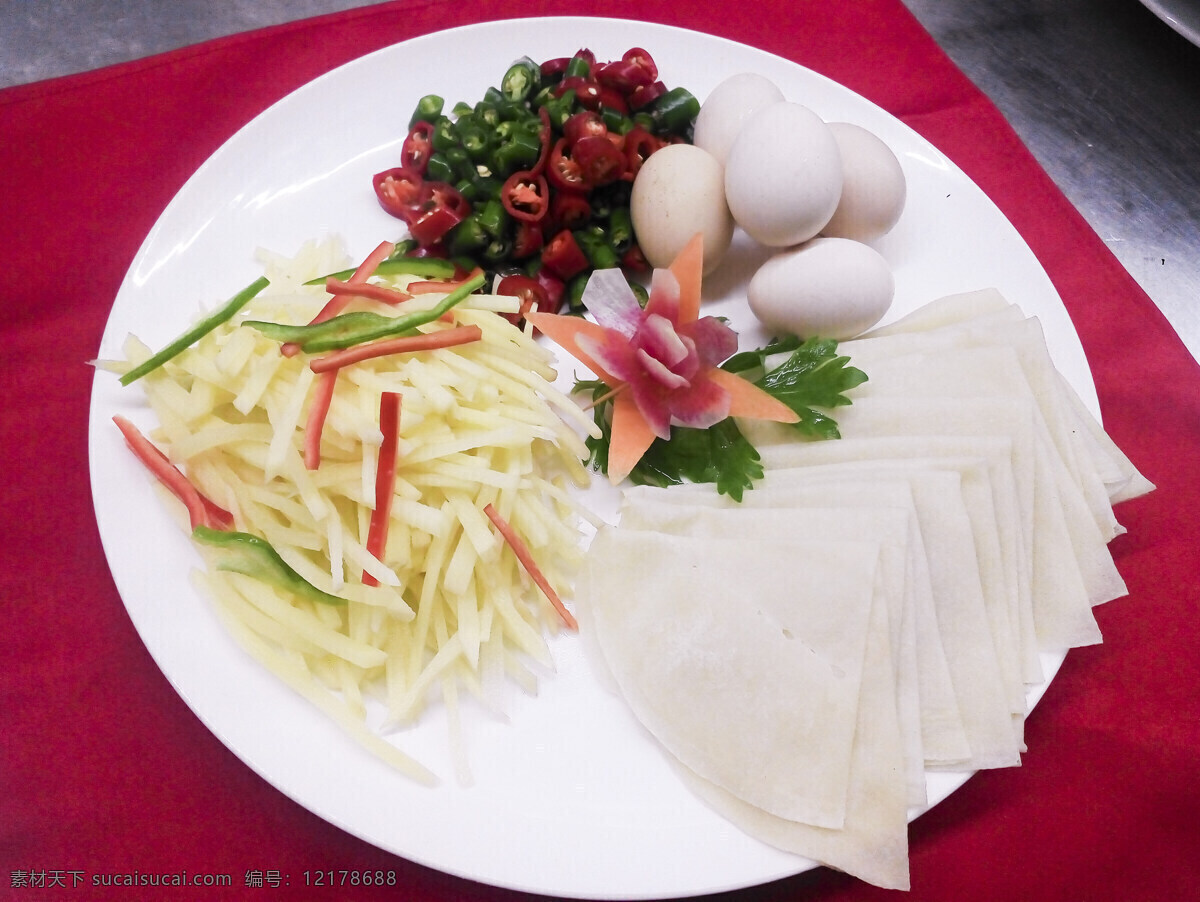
(254,557)
(350,329)
(426,267)
(198,331)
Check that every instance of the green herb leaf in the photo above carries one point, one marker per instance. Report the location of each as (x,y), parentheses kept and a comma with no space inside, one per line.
(812,376)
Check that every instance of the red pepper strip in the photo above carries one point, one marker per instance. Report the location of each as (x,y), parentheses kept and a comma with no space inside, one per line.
(521,550)
(428,341)
(526,196)
(435,287)
(338,303)
(370,290)
(201,511)
(385,479)
(318,409)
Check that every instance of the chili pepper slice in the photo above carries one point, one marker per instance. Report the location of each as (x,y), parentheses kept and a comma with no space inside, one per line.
(611,99)
(527,240)
(586,90)
(585,123)
(417,148)
(532,294)
(643,60)
(252,556)
(599,161)
(526,196)
(569,210)
(624,75)
(428,109)
(562,171)
(554,69)
(580,65)
(545,139)
(563,255)
(676,110)
(639,144)
(522,79)
(398,191)
(440,208)
(646,95)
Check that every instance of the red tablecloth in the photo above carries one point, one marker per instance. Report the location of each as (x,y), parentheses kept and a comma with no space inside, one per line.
(104,769)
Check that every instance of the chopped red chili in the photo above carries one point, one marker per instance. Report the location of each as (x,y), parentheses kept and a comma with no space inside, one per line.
(563,255)
(417,148)
(599,161)
(398,191)
(526,196)
(440,208)
(570,210)
(562,171)
(532,294)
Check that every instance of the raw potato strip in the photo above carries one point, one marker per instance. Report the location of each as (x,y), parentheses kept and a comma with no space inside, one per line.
(481,426)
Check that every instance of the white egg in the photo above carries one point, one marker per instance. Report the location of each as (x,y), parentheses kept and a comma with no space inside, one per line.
(783,176)
(729,105)
(826,288)
(678,192)
(873,185)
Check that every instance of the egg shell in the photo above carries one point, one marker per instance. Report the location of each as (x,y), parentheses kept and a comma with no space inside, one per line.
(728,107)
(678,192)
(873,185)
(783,177)
(826,288)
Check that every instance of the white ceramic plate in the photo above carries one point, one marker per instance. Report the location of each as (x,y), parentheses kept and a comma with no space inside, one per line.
(1181,15)
(570,798)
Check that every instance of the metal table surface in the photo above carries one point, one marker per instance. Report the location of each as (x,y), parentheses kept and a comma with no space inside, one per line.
(1105,93)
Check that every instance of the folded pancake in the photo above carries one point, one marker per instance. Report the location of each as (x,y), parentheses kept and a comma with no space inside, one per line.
(746,671)
(889,527)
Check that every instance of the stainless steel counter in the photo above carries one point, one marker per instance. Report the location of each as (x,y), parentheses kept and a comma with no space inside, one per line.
(1105,93)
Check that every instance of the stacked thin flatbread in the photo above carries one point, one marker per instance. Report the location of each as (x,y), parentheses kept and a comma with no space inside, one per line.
(878,606)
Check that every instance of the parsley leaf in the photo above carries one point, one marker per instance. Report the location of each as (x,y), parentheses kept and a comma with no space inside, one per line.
(812,376)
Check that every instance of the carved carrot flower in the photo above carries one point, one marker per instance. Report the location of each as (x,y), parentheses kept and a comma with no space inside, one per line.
(663,361)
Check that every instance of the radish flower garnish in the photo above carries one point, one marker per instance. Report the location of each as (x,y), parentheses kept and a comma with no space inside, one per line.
(663,361)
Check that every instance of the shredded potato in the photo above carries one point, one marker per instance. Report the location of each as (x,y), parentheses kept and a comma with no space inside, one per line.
(453,609)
